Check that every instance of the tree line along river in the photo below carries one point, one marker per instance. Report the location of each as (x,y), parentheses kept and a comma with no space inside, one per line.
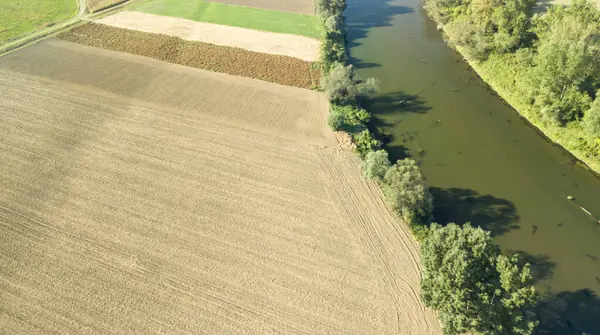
(484,163)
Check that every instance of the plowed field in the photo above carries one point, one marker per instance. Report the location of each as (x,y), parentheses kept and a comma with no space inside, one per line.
(145,197)
(274,68)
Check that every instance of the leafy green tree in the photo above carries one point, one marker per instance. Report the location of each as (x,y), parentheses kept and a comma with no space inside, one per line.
(591,118)
(341,86)
(567,62)
(472,286)
(365,142)
(407,192)
(376,164)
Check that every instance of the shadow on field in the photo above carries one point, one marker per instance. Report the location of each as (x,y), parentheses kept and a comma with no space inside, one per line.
(362,15)
(460,206)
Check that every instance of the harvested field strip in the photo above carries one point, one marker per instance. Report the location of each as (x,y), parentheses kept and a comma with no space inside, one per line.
(274,68)
(300,47)
(120,218)
(98,5)
(237,16)
(281,110)
(291,6)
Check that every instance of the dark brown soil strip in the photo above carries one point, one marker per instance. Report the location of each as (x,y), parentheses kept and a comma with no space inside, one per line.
(239,62)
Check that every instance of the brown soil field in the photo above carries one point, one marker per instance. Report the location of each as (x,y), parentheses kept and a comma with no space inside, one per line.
(300,47)
(273,68)
(146,197)
(292,6)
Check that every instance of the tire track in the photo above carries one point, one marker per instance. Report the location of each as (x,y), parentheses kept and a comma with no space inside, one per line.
(368,214)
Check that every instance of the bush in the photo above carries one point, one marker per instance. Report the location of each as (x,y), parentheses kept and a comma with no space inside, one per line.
(365,142)
(591,118)
(342,88)
(375,165)
(337,121)
(334,25)
(332,51)
(472,286)
(407,192)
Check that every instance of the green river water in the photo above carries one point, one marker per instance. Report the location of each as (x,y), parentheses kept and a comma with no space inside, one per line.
(484,163)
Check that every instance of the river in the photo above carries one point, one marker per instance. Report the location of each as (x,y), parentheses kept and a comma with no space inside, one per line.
(485,164)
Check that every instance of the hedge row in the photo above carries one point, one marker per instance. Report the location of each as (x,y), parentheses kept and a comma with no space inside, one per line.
(402,183)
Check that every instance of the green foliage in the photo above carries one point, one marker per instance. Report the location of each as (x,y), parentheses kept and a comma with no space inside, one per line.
(334,24)
(327,8)
(567,62)
(375,165)
(337,121)
(342,88)
(472,286)
(407,192)
(332,51)
(353,119)
(591,119)
(365,142)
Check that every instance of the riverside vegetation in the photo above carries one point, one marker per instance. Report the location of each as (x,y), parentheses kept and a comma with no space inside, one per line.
(465,278)
(545,64)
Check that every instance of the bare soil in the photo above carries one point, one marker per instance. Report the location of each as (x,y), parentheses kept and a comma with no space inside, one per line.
(300,47)
(273,68)
(147,197)
(292,6)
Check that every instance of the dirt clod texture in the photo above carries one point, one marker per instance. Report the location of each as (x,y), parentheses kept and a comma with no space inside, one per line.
(145,197)
(273,68)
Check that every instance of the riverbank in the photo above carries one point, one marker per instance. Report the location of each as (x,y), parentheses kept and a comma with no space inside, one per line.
(500,73)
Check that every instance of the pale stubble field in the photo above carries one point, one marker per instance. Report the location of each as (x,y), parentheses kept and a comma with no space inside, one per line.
(146,197)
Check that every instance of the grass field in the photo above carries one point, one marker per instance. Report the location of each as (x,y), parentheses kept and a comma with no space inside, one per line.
(237,16)
(146,197)
(19,17)
(292,6)
(274,68)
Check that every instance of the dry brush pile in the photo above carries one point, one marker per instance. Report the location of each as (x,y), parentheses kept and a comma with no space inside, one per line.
(273,68)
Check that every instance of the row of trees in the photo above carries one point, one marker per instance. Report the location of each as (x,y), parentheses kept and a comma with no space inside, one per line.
(465,278)
(556,53)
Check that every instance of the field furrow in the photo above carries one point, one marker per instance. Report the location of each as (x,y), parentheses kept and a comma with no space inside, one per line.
(145,197)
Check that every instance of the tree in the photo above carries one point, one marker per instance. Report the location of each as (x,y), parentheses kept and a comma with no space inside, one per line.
(591,118)
(341,86)
(407,192)
(567,63)
(365,142)
(376,164)
(336,121)
(472,286)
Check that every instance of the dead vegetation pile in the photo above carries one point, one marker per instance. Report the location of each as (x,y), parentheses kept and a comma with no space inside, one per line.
(273,68)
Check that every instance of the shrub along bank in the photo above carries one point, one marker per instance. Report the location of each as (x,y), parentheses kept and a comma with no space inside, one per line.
(546,65)
(465,278)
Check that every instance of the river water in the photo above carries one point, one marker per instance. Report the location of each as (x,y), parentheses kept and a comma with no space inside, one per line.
(484,163)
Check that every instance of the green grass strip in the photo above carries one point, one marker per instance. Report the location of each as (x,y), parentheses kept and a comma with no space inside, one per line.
(237,16)
(20,17)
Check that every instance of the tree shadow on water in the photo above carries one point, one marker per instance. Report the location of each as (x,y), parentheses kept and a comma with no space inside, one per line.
(362,15)
(397,103)
(569,313)
(541,266)
(458,205)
